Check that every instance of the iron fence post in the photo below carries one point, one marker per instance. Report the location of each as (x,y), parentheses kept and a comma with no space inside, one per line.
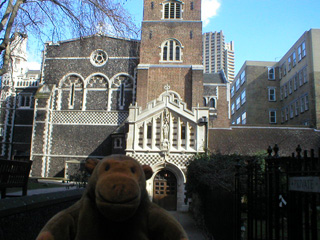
(250,202)
(238,209)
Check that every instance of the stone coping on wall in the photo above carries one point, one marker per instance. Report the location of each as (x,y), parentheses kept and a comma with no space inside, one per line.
(11,206)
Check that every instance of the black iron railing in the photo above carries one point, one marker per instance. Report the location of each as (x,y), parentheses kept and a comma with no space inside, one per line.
(278,199)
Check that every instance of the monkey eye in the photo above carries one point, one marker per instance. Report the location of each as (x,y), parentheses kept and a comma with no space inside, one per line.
(107,167)
(133,169)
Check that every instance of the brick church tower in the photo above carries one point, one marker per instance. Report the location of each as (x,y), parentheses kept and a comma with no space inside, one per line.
(171,51)
(167,124)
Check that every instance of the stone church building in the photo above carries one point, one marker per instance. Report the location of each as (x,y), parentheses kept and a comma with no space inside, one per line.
(149,99)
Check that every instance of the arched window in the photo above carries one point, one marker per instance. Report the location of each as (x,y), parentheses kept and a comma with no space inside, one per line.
(171,50)
(97,92)
(172,10)
(122,95)
(71,93)
(212,103)
(204,102)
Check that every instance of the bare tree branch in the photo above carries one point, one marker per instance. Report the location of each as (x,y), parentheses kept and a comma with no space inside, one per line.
(3,2)
(6,15)
(67,18)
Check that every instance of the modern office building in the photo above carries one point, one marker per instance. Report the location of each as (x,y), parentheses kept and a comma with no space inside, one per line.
(217,54)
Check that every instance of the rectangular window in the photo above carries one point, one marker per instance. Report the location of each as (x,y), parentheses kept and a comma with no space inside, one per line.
(117,143)
(238,120)
(286,114)
(281,93)
(171,51)
(243,77)
(232,108)
(178,10)
(295,82)
(271,75)
(291,111)
(290,86)
(284,69)
(237,84)
(243,97)
(166,11)
(299,53)
(191,6)
(172,10)
(149,131)
(305,75)
(272,94)
(303,48)
(306,101)
(289,64)
(244,118)
(300,78)
(25,100)
(238,103)
(71,96)
(272,116)
(296,108)
(282,116)
(294,59)
(183,132)
(232,91)
(286,90)
(302,104)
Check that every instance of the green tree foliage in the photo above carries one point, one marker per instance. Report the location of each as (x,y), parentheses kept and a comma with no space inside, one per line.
(208,172)
(210,182)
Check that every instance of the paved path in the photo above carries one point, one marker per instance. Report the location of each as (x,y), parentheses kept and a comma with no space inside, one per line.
(189,225)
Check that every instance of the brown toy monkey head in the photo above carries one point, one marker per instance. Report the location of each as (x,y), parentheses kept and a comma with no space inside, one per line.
(118,185)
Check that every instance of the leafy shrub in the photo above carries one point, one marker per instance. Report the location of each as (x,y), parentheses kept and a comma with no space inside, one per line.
(211,179)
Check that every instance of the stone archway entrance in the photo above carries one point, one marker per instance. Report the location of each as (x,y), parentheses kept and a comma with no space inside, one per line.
(165,190)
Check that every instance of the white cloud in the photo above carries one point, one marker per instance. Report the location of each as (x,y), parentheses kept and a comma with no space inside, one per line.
(209,10)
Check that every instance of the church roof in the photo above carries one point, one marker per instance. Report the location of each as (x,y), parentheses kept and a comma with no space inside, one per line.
(217,78)
(253,140)
(33,72)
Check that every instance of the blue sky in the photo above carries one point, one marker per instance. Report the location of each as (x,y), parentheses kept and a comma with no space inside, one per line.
(262,30)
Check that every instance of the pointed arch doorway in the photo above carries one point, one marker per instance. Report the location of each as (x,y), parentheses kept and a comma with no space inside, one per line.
(165,190)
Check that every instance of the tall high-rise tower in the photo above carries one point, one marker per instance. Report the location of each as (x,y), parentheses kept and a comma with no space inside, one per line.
(171,51)
(218,55)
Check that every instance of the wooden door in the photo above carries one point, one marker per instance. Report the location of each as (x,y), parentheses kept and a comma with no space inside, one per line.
(165,190)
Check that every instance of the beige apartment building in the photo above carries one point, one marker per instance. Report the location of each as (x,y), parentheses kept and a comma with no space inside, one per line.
(253,95)
(283,93)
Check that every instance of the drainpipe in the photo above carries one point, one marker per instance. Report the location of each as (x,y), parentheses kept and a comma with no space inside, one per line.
(207,133)
(12,126)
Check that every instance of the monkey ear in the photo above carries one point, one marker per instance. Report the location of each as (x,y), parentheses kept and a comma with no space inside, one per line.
(91,164)
(147,171)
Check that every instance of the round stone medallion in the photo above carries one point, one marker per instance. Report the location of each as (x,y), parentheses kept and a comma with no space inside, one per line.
(98,58)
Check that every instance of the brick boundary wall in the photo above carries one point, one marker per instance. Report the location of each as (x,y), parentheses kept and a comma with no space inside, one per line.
(22,218)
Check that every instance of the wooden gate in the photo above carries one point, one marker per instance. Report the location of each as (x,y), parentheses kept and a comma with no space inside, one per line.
(165,190)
